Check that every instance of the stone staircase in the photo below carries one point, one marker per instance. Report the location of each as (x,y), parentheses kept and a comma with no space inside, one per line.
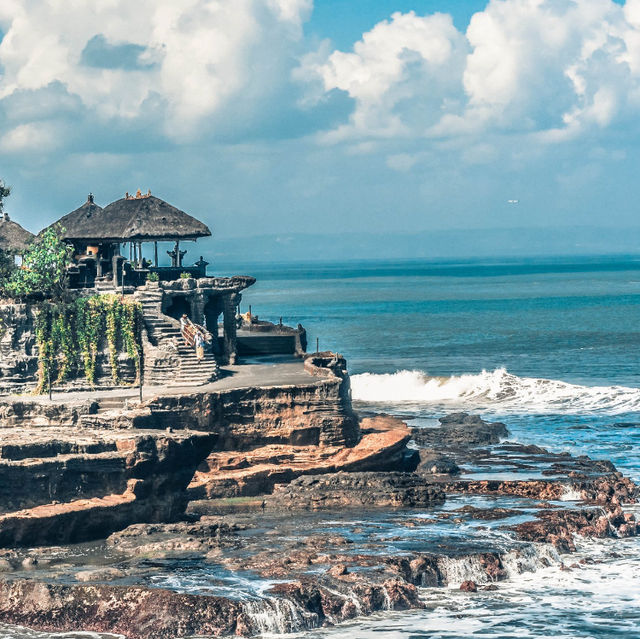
(171,361)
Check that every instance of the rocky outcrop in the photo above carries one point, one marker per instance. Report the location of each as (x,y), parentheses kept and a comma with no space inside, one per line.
(61,486)
(347,490)
(136,613)
(558,527)
(460,430)
(257,471)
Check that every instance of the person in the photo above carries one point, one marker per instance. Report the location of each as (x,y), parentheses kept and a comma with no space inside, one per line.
(199,341)
(184,322)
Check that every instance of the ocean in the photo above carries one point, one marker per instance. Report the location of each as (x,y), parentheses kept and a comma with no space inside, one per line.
(549,346)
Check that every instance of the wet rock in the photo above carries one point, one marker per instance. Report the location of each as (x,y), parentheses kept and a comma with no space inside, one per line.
(469,586)
(489,514)
(338,570)
(357,489)
(159,540)
(435,463)
(99,574)
(460,430)
(135,612)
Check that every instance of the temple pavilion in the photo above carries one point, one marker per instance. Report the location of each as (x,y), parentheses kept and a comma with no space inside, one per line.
(108,256)
(109,241)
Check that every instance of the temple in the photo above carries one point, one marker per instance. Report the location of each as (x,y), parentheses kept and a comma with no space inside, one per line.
(109,241)
(135,247)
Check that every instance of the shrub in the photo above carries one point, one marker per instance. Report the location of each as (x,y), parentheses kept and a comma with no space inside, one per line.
(44,268)
(153,277)
(185,276)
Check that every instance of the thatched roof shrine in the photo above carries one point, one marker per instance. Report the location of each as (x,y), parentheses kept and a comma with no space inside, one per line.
(139,218)
(12,236)
(83,222)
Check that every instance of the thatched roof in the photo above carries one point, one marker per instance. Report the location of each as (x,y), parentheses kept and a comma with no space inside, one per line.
(133,218)
(12,236)
(83,222)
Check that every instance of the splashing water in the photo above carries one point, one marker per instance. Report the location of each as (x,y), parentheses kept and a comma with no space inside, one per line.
(498,389)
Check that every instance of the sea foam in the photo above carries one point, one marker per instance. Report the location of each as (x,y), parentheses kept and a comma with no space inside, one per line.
(499,389)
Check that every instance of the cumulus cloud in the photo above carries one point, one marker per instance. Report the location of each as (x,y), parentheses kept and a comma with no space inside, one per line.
(178,62)
(546,67)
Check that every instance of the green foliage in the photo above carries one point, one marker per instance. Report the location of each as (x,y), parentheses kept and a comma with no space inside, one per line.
(7,264)
(7,268)
(153,277)
(70,336)
(44,268)
(185,276)
(5,191)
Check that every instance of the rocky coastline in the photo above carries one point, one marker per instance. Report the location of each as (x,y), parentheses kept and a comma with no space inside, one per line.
(253,510)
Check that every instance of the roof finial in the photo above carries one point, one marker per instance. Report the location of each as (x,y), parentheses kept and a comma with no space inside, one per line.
(90,198)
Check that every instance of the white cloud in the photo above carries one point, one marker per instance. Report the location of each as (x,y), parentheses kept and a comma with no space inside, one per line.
(548,67)
(196,56)
(28,138)
(402,63)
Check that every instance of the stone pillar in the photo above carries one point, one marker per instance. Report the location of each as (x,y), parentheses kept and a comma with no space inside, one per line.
(118,267)
(198,302)
(230,302)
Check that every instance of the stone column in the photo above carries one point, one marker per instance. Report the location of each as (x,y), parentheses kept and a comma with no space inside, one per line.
(198,302)
(230,302)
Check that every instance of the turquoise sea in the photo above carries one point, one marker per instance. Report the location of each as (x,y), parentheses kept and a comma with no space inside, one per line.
(549,346)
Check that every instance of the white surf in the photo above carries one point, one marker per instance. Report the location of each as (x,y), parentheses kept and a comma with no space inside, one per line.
(497,389)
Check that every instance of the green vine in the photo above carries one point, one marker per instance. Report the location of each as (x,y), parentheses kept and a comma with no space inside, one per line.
(71,335)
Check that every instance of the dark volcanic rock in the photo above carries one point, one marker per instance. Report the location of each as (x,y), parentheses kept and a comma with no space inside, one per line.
(434,463)
(558,526)
(180,537)
(460,430)
(357,489)
(136,613)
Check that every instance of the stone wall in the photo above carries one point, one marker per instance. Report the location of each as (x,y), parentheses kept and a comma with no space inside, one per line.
(18,350)
(19,356)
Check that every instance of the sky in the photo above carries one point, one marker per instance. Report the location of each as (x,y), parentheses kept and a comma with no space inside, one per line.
(326,117)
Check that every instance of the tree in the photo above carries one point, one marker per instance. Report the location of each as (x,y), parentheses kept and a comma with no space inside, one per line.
(44,268)
(5,191)
(7,267)
(7,262)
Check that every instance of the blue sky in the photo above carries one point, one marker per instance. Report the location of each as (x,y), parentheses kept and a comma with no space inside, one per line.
(295,116)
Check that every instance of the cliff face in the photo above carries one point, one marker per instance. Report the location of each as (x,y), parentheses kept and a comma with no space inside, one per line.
(19,355)
(71,470)
(314,414)
(18,352)
(60,485)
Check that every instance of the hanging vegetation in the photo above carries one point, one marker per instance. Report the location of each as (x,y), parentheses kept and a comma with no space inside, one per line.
(71,335)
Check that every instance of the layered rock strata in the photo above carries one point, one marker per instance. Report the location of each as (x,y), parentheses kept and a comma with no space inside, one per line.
(60,486)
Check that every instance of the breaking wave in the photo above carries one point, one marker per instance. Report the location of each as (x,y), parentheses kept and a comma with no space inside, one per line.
(499,389)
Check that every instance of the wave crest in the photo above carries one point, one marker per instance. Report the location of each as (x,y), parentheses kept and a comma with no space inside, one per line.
(498,388)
